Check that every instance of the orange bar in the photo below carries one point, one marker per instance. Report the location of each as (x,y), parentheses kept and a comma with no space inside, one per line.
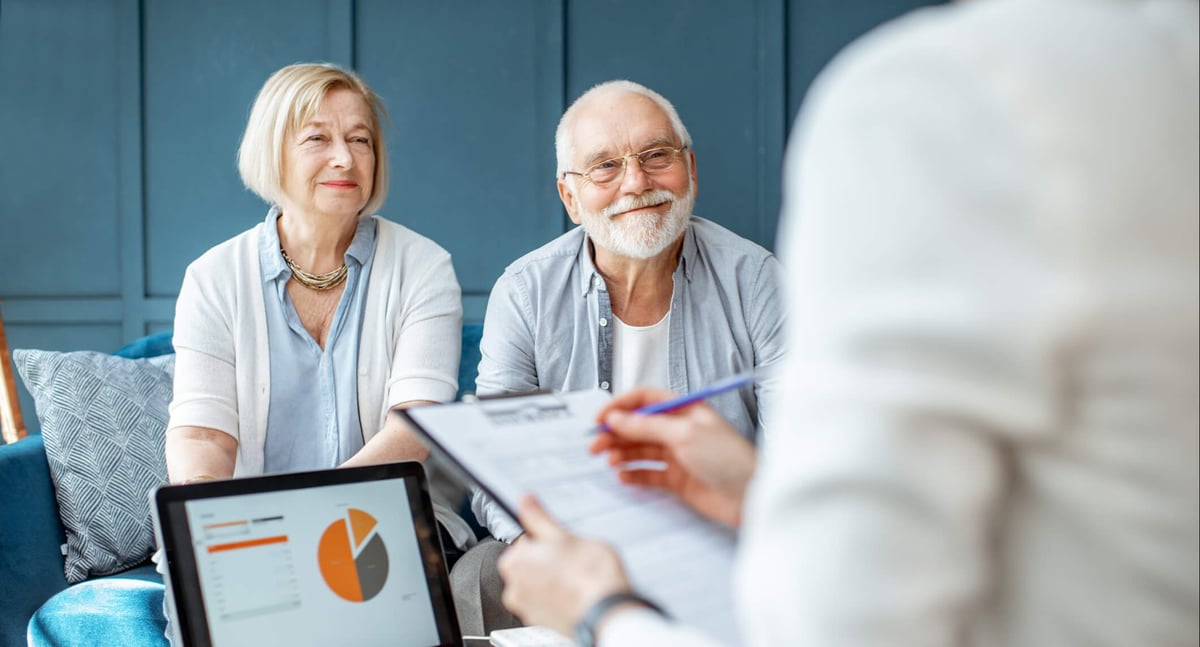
(227,523)
(249,543)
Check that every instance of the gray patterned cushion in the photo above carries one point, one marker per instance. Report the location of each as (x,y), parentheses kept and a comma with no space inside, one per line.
(103,421)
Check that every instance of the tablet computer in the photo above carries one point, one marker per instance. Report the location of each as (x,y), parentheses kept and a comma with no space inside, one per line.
(331,557)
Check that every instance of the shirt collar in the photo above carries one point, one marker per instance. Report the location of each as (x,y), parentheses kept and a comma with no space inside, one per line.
(269,257)
(363,242)
(271,261)
(590,278)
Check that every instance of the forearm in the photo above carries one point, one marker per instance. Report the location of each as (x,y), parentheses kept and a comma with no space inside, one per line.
(395,442)
(193,452)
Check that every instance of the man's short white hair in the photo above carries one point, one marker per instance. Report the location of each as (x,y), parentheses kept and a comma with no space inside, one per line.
(564,137)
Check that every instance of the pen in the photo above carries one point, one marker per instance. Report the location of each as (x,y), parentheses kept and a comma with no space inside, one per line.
(720,386)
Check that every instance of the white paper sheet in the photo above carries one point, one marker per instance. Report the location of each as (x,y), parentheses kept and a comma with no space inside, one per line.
(538,444)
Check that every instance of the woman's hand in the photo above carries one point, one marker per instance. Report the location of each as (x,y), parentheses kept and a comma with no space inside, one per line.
(708,464)
(552,577)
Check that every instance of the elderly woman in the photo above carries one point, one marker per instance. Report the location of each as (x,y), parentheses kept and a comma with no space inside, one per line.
(294,338)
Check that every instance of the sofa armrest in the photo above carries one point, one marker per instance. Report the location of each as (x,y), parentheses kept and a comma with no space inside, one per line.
(31,561)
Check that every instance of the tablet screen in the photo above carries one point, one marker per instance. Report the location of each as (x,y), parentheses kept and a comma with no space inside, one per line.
(334,557)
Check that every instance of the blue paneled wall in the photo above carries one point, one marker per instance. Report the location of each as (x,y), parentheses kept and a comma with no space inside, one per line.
(120,120)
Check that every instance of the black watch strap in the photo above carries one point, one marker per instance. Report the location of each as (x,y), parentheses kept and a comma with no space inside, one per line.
(585,629)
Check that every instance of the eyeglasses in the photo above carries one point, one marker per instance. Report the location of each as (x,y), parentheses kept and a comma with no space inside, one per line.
(654,160)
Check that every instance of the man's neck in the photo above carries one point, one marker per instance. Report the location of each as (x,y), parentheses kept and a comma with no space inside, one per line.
(639,290)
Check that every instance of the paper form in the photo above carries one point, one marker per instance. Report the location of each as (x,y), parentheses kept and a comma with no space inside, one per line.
(538,444)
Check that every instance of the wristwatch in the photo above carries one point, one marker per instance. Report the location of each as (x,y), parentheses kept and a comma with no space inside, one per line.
(585,629)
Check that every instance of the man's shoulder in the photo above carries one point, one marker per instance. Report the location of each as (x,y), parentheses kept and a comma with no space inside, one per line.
(560,252)
(716,242)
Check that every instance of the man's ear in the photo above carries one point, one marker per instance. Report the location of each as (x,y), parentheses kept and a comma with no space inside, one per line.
(568,199)
(692,166)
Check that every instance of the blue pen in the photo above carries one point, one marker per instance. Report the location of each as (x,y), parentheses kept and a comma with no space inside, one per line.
(720,386)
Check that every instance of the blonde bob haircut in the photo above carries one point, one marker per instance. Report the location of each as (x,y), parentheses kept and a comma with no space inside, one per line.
(285,103)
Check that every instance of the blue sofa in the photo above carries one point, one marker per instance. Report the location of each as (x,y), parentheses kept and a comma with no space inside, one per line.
(121,609)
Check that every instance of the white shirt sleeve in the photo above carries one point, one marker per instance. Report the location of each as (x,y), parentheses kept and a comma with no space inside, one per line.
(493,517)
(424,365)
(205,385)
(640,627)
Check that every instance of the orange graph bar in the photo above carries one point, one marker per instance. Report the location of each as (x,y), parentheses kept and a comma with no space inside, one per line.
(227,523)
(249,543)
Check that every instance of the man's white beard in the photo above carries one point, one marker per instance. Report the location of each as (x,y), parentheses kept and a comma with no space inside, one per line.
(640,235)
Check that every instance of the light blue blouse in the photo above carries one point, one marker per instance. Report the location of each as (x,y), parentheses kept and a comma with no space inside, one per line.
(312,418)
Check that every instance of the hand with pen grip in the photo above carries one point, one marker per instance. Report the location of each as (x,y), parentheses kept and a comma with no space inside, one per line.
(708,464)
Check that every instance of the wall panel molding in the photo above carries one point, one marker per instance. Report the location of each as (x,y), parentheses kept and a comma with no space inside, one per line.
(27,310)
(772,114)
(131,210)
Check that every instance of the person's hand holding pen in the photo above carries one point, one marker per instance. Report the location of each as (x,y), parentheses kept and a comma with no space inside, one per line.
(708,465)
(553,577)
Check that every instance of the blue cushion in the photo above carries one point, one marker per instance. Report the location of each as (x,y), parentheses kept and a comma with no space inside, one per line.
(122,609)
(468,366)
(148,346)
(31,564)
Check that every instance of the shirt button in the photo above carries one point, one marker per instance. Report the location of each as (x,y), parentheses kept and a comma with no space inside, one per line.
(603,322)
(604,385)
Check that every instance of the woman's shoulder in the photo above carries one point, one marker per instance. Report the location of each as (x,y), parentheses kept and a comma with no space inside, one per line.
(407,263)
(226,256)
(406,245)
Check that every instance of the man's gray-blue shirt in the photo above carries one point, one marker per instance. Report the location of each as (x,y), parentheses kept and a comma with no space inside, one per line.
(549,326)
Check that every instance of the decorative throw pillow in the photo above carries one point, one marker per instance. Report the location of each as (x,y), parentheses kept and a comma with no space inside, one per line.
(104,421)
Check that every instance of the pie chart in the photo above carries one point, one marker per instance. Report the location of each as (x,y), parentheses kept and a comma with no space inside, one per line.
(352,557)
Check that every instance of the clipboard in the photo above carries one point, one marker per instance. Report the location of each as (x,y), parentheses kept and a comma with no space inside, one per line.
(537,443)
(446,455)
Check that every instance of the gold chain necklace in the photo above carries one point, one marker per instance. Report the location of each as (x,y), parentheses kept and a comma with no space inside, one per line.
(326,281)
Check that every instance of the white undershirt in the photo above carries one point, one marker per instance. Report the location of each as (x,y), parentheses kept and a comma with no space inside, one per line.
(640,354)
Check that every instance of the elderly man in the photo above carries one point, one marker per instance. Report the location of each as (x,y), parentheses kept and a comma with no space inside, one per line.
(643,293)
